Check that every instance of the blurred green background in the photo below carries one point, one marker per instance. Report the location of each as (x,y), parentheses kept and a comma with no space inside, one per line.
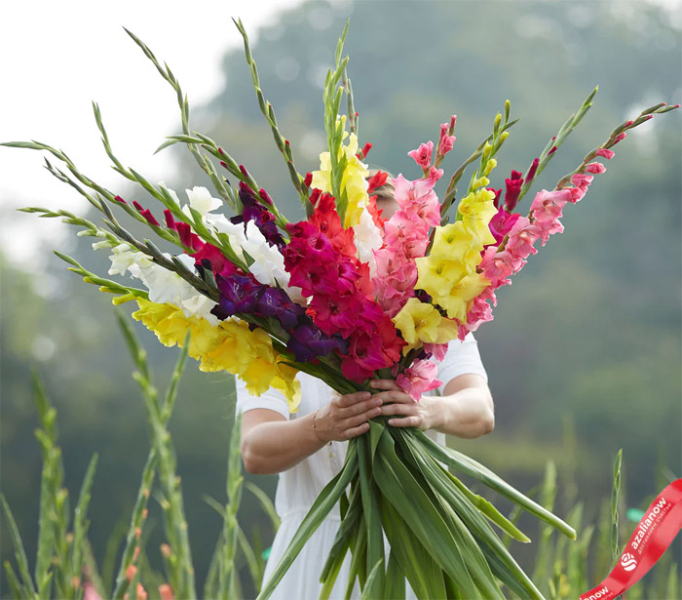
(584,353)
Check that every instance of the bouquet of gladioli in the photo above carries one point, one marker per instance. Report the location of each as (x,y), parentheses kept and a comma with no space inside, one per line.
(345,295)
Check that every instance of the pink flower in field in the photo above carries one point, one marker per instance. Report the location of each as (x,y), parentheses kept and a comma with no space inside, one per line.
(90,593)
(166,592)
(419,378)
(605,153)
(596,168)
(422,155)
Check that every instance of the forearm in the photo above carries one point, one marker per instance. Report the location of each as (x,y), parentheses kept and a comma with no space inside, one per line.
(275,446)
(468,413)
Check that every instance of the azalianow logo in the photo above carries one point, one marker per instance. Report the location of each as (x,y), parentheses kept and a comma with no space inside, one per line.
(628,561)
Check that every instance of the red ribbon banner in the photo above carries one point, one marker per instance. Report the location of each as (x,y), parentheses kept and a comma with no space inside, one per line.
(651,538)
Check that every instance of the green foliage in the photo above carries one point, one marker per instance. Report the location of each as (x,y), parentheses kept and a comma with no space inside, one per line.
(65,564)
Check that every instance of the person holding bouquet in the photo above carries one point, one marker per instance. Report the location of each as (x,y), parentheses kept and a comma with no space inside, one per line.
(308,448)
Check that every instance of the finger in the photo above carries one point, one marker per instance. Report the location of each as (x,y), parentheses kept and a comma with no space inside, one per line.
(394,396)
(354,398)
(362,418)
(384,384)
(356,431)
(413,421)
(362,407)
(398,409)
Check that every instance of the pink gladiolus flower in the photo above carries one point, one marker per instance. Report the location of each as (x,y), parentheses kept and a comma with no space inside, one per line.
(437,350)
(550,228)
(605,153)
(595,167)
(546,206)
(500,266)
(522,237)
(619,138)
(446,141)
(433,176)
(422,155)
(418,199)
(418,379)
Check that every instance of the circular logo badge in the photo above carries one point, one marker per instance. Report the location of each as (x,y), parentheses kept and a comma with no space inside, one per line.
(628,561)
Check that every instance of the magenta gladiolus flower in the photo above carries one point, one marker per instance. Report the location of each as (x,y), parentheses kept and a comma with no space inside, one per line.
(419,379)
(422,155)
(501,224)
(511,196)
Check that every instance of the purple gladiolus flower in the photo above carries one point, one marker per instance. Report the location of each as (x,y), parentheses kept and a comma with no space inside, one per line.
(307,342)
(274,302)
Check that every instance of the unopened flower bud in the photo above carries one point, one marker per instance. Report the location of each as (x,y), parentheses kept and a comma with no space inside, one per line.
(166,550)
(166,592)
(140,592)
(492,163)
(486,150)
(130,572)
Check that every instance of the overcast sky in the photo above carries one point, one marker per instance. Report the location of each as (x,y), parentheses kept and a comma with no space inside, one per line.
(57,57)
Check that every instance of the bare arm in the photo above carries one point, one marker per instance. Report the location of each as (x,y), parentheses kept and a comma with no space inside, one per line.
(271,444)
(465,409)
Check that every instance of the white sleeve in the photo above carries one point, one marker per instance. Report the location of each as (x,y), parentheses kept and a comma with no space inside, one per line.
(271,399)
(461,358)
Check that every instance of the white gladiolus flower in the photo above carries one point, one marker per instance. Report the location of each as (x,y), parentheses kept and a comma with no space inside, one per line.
(123,259)
(200,199)
(367,240)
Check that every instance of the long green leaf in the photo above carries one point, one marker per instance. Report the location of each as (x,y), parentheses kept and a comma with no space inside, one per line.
(473,557)
(401,489)
(478,526)
(265,503)
(18,591)
(423,573)
(476,470)
(19,551)
(324,503)
(371,506)
(80,522)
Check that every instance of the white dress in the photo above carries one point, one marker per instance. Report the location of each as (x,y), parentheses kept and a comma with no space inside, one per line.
(299,486)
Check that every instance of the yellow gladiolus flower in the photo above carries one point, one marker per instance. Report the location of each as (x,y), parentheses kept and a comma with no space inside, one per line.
(353,182)
(421,323)
(229,346)
(456,242)
(455,300)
